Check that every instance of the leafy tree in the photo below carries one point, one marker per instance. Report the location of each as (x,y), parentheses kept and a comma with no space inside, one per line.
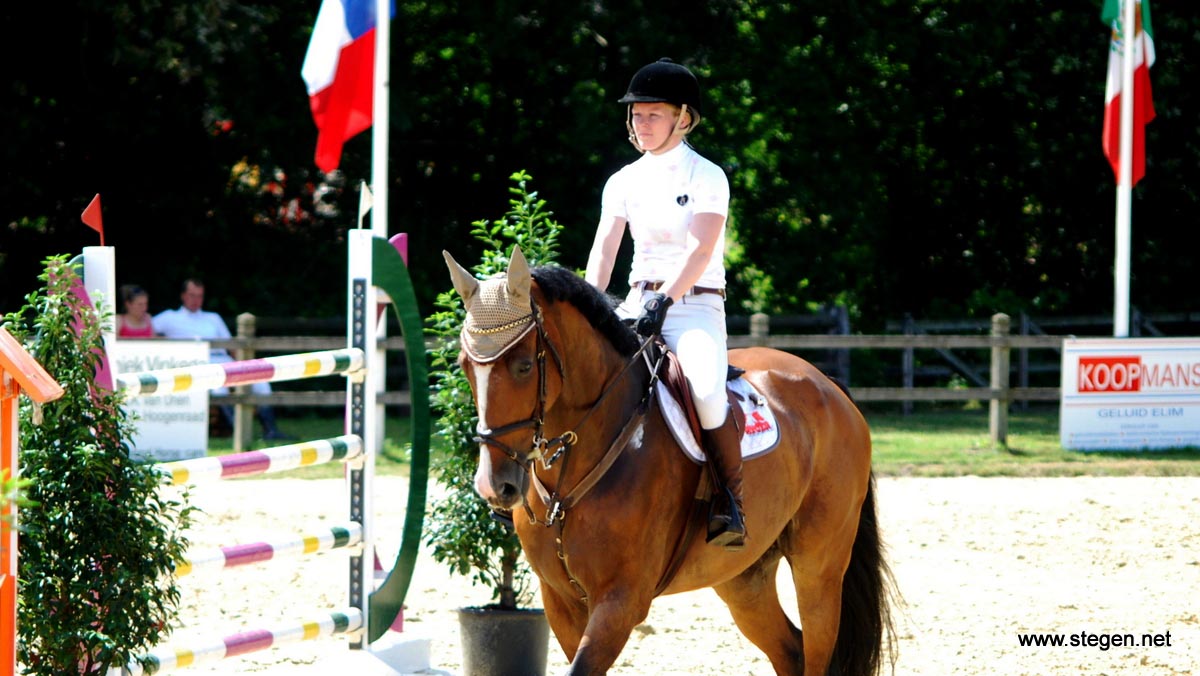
(98,553)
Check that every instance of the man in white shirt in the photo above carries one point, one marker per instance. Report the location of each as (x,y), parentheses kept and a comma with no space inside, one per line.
(191,322)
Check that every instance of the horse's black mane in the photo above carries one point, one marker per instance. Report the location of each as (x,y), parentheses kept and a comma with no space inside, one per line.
(559,283)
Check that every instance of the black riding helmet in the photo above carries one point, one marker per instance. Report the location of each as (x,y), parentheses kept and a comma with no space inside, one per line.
(664,81)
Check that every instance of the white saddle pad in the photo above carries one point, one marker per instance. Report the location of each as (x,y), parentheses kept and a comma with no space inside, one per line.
(762,432)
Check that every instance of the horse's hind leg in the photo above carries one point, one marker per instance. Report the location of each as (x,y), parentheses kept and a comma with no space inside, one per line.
(817,573)
(754,603)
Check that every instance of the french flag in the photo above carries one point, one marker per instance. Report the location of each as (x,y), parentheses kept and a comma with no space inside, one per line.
(339,70)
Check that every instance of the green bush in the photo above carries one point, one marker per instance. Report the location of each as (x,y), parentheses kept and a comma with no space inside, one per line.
(97,554)
(460,530)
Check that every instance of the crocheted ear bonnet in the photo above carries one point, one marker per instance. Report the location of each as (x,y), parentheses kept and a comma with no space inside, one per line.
(499,309)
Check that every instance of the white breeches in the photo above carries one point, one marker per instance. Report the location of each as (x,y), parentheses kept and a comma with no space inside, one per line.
(695,332)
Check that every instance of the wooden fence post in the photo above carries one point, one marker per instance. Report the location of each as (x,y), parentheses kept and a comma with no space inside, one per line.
(908,364)
(1023,362)
(760,327)
(842,317)
(243,414)
(998,405)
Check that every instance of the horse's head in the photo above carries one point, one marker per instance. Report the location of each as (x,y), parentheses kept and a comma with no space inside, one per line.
(504,356)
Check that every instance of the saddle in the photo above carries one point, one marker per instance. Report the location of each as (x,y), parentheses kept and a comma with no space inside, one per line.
(755,422)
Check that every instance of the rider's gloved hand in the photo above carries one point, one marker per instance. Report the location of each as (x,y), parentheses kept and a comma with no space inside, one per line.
(654,313)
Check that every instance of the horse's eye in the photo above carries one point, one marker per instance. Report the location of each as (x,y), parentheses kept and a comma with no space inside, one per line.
(521,367)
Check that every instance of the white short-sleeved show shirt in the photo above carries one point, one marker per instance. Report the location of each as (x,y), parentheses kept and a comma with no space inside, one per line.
(658,195)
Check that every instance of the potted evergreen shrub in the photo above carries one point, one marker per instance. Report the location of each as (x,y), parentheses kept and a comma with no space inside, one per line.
(461,532)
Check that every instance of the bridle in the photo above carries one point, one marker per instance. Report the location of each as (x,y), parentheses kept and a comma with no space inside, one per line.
(549,451)
(537,421)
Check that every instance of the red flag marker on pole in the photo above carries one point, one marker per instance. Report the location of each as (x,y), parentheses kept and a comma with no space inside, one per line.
(91,217)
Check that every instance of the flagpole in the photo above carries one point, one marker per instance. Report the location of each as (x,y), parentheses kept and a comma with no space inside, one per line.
(1121,269)
(380,115)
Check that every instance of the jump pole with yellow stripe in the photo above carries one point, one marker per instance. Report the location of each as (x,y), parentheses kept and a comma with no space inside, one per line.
(340,536)
(265,461)
(172,657)
(265,370)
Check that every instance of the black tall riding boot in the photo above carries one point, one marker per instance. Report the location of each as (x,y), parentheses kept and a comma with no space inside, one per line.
(726,527)
(266,416)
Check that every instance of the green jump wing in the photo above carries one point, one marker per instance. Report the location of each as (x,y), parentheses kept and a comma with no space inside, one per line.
(391,275)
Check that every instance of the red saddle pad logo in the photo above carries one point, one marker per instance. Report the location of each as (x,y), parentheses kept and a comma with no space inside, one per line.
(756,424)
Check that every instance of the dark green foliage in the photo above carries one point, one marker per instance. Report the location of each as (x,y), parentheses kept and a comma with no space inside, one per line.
(459,529)
(934,157)
(98,551)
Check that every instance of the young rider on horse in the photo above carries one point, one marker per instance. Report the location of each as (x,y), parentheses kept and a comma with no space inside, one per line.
(675,203)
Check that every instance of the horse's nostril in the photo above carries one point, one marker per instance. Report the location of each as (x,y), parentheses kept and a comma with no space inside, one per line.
(508,491)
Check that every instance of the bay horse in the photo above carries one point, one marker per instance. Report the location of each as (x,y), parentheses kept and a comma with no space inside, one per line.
(603,507)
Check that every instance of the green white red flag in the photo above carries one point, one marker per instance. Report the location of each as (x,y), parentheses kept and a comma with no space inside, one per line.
(1143,104)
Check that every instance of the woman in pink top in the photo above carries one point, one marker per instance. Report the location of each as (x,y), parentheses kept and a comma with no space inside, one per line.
(135,323)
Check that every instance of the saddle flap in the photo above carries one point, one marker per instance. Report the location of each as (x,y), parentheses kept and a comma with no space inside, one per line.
(680,390)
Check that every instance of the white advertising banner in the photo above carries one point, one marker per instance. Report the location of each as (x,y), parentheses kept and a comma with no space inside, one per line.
(1130,393)
(170,425)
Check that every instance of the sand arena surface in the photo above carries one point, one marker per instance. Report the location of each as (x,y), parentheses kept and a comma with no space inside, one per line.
(978,562)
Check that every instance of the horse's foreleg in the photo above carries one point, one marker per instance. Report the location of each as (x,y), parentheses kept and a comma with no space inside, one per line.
(611,620)
(568,619)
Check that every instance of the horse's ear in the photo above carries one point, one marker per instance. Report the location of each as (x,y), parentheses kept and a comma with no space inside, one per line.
(518,276)
(464,282)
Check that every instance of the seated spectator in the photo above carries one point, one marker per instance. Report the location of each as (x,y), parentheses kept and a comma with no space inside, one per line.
(135,322)
(190,321)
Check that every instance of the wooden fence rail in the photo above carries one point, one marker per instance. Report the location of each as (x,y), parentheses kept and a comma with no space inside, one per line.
(995,389)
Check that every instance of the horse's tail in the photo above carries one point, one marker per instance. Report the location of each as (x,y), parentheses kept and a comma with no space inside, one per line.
(865,634)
